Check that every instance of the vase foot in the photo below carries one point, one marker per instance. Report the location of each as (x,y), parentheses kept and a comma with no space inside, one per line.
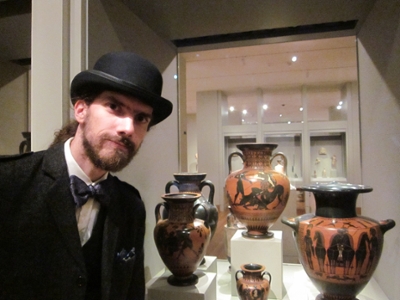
(266,235)
(176,281)
(322,297)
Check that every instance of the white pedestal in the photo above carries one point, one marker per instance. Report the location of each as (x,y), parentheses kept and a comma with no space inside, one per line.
(206,288)
(210,265)
(267,252)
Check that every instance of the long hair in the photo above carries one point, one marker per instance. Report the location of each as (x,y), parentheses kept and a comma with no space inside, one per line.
(62,135)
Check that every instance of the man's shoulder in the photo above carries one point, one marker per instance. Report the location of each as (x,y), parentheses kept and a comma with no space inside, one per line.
(14,157)
(25,159)
(126,187)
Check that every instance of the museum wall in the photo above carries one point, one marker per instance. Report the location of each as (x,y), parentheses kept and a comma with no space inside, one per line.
(379,69)
(14,107)
(157,159)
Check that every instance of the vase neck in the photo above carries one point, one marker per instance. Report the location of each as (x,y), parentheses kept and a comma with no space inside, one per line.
(181,211)
(189,186)
(335,205)
(257,158)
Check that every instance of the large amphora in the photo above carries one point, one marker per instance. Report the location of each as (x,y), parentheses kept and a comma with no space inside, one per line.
(195,182)
(257,194)
(181,239)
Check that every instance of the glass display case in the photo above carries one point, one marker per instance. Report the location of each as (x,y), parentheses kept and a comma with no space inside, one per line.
(241,109)
(328,156)
(290,145)
(332,108)
(282,106)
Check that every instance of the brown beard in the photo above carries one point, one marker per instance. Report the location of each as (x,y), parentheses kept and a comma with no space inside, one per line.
(115,163)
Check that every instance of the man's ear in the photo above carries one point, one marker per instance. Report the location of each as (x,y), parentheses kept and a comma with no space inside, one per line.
(80,110)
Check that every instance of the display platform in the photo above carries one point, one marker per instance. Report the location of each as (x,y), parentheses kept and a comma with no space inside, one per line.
(158,288)
(210,264)
(297,285)
(267,252)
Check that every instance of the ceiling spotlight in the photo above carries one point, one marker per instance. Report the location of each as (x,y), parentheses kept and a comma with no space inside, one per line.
(301,109)
(289,122)
(175,76)
(294,58)
(280,115)
(232,108)
(339,107)
(265,107)
(340,102)
(244,111)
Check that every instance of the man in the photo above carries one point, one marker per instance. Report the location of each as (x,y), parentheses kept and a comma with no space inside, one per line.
(68,228)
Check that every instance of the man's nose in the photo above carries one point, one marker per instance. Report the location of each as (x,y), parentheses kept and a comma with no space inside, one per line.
(126,126)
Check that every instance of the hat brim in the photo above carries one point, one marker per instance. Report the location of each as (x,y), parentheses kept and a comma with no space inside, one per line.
(93,79)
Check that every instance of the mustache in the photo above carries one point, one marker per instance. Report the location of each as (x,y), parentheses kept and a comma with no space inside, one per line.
(131,146)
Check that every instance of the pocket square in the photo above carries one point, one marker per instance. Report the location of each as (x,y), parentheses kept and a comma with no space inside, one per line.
(125,256)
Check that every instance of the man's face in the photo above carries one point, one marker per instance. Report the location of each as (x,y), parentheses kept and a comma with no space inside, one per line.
(113,129)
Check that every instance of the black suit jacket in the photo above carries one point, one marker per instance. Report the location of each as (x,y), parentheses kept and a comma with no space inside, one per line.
(40,251)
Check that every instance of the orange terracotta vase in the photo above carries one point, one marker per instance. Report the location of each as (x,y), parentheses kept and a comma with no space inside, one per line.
(338,249)
(195,182)
(181,239)
(257,194)
(252,285)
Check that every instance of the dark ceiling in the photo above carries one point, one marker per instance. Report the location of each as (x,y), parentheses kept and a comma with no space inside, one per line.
(194,22)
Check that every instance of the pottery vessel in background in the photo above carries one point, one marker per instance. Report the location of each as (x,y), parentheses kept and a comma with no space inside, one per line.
(181,239)
(194,182)
(338,249)
(257,194)
(252,285)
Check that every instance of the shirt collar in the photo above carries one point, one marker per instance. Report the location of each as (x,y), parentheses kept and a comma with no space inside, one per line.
(74,168)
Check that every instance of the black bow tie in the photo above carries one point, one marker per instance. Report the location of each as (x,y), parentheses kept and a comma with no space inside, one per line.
(82,192)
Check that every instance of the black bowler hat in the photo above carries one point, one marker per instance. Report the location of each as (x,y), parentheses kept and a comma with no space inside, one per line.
(127,73)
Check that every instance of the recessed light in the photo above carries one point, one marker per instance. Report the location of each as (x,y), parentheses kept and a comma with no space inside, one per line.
(232,108)
(294,58)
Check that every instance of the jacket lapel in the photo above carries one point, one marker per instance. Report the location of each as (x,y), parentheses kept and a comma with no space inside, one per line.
(61,203)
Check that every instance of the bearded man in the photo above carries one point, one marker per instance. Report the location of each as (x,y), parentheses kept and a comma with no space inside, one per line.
(69,229)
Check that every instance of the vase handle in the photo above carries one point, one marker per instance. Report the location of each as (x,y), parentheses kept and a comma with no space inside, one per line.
(169,184)
(212,190)
(269,275)
(205,211)
(291,223)
(386,225)
(230,160)
(284,160)
(236,274)
(157,211)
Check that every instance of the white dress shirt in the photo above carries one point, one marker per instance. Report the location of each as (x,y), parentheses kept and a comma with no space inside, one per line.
(86,215)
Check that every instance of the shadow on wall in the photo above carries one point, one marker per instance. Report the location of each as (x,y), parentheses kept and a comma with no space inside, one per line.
(10,71)
(387,39)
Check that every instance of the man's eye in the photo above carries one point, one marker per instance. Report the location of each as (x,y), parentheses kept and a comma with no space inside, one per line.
(113,106)
(142,118)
